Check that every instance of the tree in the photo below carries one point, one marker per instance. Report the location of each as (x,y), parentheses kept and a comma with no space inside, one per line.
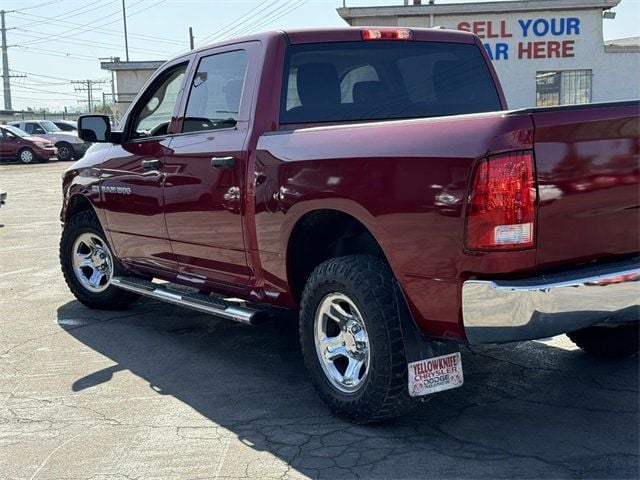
(105,109)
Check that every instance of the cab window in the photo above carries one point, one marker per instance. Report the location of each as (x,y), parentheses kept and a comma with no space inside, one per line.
(216,91)
(153,118)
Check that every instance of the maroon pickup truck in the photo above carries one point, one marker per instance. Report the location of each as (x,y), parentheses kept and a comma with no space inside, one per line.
(374,180)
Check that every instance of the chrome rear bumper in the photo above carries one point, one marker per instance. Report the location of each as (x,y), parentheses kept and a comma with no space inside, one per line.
(507,311)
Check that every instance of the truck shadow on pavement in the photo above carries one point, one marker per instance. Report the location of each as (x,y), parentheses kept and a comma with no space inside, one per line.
(526,410)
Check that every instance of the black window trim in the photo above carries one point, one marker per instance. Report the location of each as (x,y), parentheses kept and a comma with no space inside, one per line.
(128,133)
(234,48)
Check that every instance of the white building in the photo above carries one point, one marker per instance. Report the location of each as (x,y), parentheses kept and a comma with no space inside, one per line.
(546,52)
(130,77)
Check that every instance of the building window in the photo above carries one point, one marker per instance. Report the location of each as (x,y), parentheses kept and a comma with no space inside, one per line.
(562,88)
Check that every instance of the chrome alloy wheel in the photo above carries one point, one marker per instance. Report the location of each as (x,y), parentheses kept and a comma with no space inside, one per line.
(92,262)
(342,342)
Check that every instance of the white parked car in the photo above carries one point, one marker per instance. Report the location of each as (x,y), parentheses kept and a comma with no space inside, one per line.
(68,144)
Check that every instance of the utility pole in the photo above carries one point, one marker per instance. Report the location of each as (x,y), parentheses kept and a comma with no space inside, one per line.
(5,66)
(6,74)
(88,86)
(113,80)
(126,40)
(191,38)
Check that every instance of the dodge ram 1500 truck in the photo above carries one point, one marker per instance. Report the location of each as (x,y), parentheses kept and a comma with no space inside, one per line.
(374,180)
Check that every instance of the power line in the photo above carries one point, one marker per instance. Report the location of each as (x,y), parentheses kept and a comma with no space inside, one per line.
(42,5)
(70,30)
(43,76)
(36,83)
(23,87)
(105,31)
(88,86)
(48,99)
(234,23)
(88,42)
(55,53)
(63,34)
(64,16)
(256,25)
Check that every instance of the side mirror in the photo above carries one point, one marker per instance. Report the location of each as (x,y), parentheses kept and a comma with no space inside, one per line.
(94,128)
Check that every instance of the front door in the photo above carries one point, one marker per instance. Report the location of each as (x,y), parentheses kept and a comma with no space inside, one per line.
(204,172)
(132,177)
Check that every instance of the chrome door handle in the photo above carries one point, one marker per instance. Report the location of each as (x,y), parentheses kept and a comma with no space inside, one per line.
(151,164)
(223,162)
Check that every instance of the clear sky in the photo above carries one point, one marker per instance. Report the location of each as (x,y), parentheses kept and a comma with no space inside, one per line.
(56,41)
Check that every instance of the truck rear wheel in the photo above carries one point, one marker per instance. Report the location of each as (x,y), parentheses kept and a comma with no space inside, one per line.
(351,339)
(618,341)
(88,264)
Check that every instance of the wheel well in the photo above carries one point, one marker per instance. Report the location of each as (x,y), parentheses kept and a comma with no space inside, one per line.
(77,203)
(321,235)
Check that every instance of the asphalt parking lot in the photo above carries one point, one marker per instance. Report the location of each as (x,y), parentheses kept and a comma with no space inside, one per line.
(161,392)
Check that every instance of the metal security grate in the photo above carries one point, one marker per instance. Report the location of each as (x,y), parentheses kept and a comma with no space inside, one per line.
(563,87)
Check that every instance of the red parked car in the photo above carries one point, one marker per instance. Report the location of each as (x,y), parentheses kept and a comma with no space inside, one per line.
(16,143)
(374,180)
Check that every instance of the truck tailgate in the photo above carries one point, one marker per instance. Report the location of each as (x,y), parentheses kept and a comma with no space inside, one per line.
(587,161)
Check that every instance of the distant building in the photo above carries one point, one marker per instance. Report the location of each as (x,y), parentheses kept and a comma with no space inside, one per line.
(130,77)
(546,52)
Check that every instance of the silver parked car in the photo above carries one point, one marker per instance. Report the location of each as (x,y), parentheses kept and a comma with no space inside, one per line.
(68,144)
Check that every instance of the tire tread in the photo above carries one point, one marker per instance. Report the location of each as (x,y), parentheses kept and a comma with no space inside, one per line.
(388,397)
(112,298)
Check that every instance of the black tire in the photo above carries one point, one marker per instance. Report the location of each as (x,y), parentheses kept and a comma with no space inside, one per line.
(65,152)
(368,282)
(27,156)
(620,341)
(111,298)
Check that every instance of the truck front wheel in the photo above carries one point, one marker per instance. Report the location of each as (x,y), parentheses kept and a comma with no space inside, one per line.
(351,339)
(615,341)
(88,264)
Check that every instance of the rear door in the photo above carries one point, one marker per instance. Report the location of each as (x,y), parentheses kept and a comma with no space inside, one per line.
(8,144)
(588,162)
(204,184)
(132,175)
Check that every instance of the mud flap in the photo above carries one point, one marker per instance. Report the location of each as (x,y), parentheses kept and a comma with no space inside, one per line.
(433,364)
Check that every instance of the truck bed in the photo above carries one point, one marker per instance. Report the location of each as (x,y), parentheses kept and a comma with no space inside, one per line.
(588,167)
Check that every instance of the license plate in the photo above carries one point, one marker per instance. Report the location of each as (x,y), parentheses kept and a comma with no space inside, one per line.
(435,374)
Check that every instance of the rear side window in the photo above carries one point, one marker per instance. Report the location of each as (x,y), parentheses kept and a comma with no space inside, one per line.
(345,81)
(33,128)
(216,92)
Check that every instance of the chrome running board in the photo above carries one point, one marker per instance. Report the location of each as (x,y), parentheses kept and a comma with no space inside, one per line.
(210,304)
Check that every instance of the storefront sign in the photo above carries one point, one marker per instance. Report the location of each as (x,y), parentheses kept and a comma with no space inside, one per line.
(535,33)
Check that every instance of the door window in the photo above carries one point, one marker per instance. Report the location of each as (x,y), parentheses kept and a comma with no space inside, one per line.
(216,91)
(153,119)
(33,128)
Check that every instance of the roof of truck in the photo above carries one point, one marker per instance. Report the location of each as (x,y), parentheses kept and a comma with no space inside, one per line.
(344,34)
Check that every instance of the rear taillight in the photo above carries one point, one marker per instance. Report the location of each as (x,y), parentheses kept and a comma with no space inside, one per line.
(501,208)
(387,34)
